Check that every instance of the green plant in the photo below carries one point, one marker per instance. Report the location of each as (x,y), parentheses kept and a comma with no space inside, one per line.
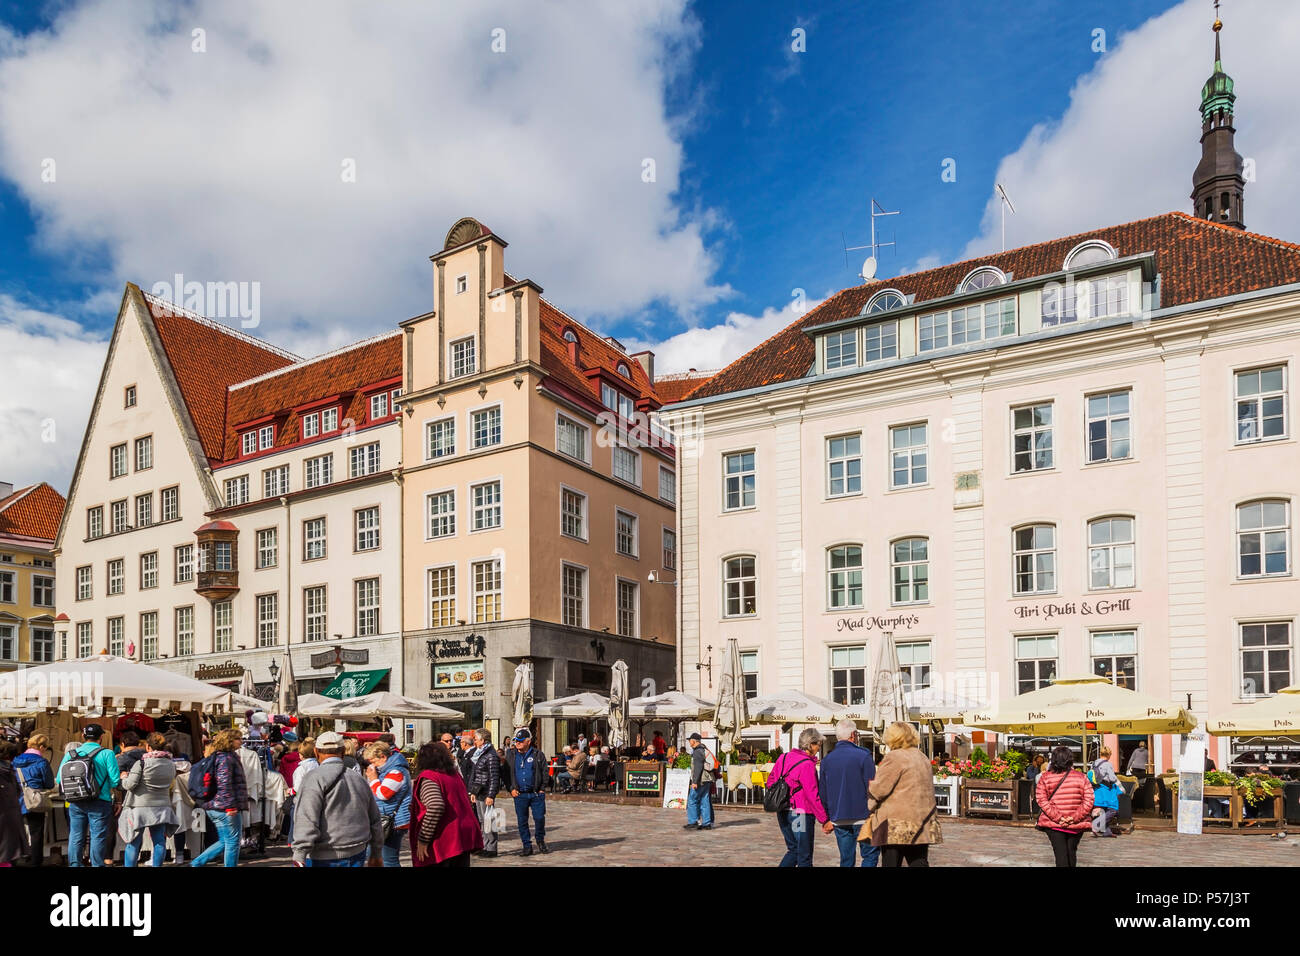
(1017,761)
(979,756)
(763,757)
(1256,789)
(1219,778)
(683,762)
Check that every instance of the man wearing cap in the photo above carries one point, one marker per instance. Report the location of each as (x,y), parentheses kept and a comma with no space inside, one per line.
(336,820)
(528,776)
(96,813)
(699,802)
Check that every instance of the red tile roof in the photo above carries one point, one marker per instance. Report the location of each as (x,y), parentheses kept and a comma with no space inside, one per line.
(677,386)
(593,352)
(1197,260)
(33,511)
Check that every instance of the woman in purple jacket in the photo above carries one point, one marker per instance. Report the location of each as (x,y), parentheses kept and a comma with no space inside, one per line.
(800,822)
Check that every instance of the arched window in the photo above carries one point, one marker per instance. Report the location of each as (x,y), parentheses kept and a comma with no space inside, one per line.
(910,561)
(740,586)
(622,370)
(1111,552)
(1263,538)
(983,277)
(885,300)
(570,336)
(1091,251)
(844,577)
(1035,559)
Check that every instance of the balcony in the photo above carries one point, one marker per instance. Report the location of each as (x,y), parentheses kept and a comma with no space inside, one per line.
(217,577)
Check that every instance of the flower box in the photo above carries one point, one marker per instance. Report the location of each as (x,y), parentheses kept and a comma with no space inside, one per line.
(992,798)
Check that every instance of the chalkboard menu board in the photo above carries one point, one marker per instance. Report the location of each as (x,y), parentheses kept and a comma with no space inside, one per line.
(643,781)
(993,802)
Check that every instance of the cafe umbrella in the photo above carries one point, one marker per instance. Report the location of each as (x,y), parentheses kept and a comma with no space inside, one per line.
(885,705)
(1276,716)
(288,696)
(618,706)
(521,694)
(790,706)
(674,706)
(732,715)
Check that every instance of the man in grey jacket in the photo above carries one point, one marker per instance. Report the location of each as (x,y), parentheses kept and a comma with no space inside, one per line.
(699,802)
(336,820)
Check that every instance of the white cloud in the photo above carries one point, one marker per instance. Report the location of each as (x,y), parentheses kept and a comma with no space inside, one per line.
(1127,144)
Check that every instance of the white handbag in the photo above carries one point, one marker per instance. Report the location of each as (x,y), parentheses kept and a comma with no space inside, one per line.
(36,801)
(494,820)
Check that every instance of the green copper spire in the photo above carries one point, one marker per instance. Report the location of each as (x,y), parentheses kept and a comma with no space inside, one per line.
(1217,93)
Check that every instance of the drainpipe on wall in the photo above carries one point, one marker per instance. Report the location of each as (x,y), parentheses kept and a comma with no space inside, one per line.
(288,581)
(401,583)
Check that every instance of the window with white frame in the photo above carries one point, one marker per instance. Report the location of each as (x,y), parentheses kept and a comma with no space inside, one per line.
(311,425)
(966,324)
(42,590)
(670,549)
(117,461)
(318,471)
(626,464)
(1080,300)
(1036,656)
(749,672)
(85,583)
(1111,553)
(841,349)
(440,439)
(1263,538)
(268,620)
(149,570)
(627,608)
(223,626)
(265,437)
(367,591)
(442,596)
(95,522)
(84,639)
(616,401)
(849,675)
(486,499)
(144,453)
(487,590)
(462,284)
(462,358)
(911,570)
(1032,437)
(1109,436)
(914,661)
(315,606)
(442,514)
(1261,404)
(909,455)
(171,504)
(667,484)
(313,539)
(485,427)
(149,636)
(880,341)
(1265,649)
(268,547)
(329,420)
(118,516)
(625,536)
(117,576)
(739,481)
(573,595)
(143,510)
(739,586)
(570,438)
(379,406)
(1114,655)
(42,645)
(129,397)
(248,442)
(573,514)
(844,577)
(184,562)
(117,636)
(1035,559)
(8,587)
(844,466)
(275,482)
(237,490)
(363,460)
(367,528)
(184,631)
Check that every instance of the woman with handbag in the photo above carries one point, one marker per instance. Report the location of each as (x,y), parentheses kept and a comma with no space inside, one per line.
(792,791)
(37,780)
(1065,798)
(903,819)
(444,830)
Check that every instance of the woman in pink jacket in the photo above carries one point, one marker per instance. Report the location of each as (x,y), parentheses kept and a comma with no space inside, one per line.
(799,768)
(1065,797)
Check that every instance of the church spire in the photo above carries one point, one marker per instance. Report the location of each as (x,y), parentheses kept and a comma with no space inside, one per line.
(1218,184)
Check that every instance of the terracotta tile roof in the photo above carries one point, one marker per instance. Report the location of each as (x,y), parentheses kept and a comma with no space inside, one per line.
(1197,260)
(677,386)
(345,370)
(593,352)
(34,511)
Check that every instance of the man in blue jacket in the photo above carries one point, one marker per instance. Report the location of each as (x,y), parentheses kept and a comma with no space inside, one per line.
(529,776)
(845,773)
(97,812)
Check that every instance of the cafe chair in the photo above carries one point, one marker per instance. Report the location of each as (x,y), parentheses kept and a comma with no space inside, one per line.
(602,775)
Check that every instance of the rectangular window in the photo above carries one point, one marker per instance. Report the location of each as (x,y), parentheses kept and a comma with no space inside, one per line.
(8,642)
(626,463)
(265,437)
(749,672)
(117,636)
(268,548)
(1264,538)
(118,515)
(442,597)
(144,453)
(1086,299)
(149,636)
(740,586)
(184,631)
(84,639)
(379,406)
(1114,655)
(616,401)
(237,491)
(223,627)
(485,427)
(966,325)
(880,341)
(313,539)
(318,471)
(248,443)
(462,358)
(143,510)
(487,505)
(184,555)
(1265,657)
(85,583)
(171,504)
(42,645)
(367,592)
(117,576)
(149,570)
(667,485)
(573,595)
(462,284)
(1261,404)
(1108,427)
(849,675)
(224,556)
(129,398)
(844,577)
(367,523)
(95,522)
(739,477)
(841,350)
(932,332)
(1032,437)
(442,514)
(8,587)
(487,590)
(1035,559)
(441,438)
(275,482)
(625,537)
(268,620)
(844,466)
(670,549)
(573,514)
(315,611)
(1111,553)
(914,661)
(627,608)
(363,460)
(570,438)
(311,425)
(1035,662)
(909,455)
(329,420)
(911,571)
(117,461)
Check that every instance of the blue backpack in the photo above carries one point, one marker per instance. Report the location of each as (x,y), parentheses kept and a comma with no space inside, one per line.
(203,779)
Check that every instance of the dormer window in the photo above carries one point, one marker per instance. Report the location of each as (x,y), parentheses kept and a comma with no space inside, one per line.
(571,336)
(616,401)
(982,278)
(884,301)
(311,425)
(378,406)
(265,437)
(1089,252)
(329,420)
(248,443)
(622,370)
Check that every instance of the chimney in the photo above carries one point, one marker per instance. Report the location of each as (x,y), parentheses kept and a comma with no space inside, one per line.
(6,489)
(647,360)
(573,351)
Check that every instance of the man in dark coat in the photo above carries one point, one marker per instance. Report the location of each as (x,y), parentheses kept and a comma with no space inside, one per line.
(485,784)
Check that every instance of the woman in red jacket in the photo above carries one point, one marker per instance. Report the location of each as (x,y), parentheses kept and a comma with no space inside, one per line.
(444,828)
(1064,796)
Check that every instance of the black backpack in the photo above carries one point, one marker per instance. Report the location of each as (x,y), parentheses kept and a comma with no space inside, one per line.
(77,782)
(777,794)
(203,779)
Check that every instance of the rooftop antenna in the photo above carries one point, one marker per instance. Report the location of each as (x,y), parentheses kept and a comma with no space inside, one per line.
(869,266)
(1006,204)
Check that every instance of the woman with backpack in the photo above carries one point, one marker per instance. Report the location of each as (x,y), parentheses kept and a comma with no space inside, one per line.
(904,818)
(1065,798)
(148,802)
(35,773)
(219,780)
(793,793)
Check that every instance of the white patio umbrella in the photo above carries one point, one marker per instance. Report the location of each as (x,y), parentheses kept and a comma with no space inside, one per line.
(521,694)
(288,697)
(673,705)
(732,714)
(246,686)
(789,706)
(105,683)
(931,703)
(577,705)
(618,705)
(1277,716)
(885,705)
(370,706)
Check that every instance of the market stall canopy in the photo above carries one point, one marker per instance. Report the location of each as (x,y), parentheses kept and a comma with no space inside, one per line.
(354,683)
(369,706)
(1078,705)
(931,704)
(106,683)
(673,705)
(1277,716)
(579,705)
(788,706)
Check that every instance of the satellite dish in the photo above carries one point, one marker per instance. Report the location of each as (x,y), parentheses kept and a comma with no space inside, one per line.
(869,268)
